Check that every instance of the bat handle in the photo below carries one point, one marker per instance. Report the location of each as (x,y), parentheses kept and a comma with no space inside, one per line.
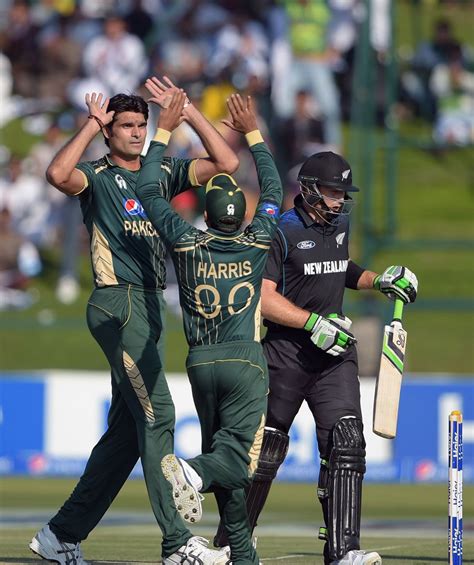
(398,310)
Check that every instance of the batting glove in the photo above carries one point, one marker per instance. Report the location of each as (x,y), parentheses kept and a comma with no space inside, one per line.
(328,335)
(397,282)
(342,321)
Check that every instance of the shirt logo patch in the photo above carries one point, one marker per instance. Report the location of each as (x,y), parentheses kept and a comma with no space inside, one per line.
(120,182)
(307,244)
(133,208)
(340,238)
(270,209)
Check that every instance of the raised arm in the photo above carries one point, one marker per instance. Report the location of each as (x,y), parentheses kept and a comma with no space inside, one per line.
(222,159)
(62,172)
(169,224)
(243,118)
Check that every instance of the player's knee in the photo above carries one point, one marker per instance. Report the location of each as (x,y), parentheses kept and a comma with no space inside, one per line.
(347,445)
(274,449)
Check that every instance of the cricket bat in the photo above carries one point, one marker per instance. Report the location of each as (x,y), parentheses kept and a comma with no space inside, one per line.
(389,380)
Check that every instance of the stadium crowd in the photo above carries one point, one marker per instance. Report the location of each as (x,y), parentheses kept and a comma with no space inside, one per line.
(295,57)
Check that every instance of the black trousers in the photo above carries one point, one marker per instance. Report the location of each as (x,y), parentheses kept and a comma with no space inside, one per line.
(298,372)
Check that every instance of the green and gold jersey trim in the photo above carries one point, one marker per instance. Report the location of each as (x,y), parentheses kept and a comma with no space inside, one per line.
(102,260)
(256,447)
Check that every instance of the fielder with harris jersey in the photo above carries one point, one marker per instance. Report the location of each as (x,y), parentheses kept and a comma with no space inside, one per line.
(125,315)
(311,353)
(220,274)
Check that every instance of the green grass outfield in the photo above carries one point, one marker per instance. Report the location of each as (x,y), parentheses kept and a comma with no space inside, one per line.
(405,523)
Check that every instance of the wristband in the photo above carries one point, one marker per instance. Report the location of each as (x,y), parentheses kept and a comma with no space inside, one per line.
(162,136)
(99,121)
(311,321)
(254,137)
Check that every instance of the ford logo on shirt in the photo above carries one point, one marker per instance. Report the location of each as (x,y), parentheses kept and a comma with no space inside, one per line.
(307,244)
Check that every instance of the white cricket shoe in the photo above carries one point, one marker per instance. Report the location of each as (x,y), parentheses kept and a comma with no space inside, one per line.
(186,495)
(47,546)
(359,557)
(196,552)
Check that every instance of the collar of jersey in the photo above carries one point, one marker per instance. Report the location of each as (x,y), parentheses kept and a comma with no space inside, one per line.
(112,164)
(221,235)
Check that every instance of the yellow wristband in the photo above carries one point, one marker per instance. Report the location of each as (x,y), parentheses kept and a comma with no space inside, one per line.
(162,135)
(254,137)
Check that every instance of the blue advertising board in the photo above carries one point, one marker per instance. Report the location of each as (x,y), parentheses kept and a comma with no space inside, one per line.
(49,423)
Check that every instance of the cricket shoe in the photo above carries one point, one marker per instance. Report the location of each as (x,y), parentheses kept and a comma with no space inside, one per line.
(46,545)
(196,552)
(186,495)
(359,557)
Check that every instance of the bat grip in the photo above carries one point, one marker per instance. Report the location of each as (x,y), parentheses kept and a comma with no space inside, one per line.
(398,310)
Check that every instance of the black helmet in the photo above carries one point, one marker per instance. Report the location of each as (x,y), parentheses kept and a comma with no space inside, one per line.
(327,169)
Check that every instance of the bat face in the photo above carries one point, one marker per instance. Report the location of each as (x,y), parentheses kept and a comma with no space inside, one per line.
(389,380)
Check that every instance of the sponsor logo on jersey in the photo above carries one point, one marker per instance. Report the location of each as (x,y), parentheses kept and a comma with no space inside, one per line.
(133,207)
(139,228)
(326,267)
(120,182)
(270,209)
(307,244)
(340,238)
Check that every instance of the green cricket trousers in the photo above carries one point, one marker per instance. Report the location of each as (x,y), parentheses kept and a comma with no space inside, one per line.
(230,385)
(127,323)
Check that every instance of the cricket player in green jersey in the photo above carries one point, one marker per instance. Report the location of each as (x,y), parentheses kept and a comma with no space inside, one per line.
(125,315)
(220,273)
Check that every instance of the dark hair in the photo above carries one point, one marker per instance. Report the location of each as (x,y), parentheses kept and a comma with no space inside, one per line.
(126,103)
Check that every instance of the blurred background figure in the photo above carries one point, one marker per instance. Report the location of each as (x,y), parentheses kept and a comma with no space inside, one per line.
(309,66)
(453,87)
(416,81)
(115,60)
(19,262)
(23,194)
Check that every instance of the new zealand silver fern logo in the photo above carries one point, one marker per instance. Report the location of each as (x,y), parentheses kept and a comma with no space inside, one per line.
(340,238)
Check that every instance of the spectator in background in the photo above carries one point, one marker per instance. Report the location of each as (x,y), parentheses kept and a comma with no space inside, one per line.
(116,59)
(60,61)
(19,261)
(20,45)
(22,193)
(310,67)
(65,220)
(301,134)
(453,87)
(428,55)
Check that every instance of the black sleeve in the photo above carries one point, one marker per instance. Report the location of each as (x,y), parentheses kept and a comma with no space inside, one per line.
(276,258)
(353,274)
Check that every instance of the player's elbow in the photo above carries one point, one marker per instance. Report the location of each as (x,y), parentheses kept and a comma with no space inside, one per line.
(230,164)
(55,176)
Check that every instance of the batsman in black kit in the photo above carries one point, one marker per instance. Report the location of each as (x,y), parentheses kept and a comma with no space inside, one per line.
(311,353)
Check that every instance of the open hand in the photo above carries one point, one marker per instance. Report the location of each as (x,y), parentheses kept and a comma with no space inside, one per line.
(161,91)
(172,115)
(98,109)
(242,114)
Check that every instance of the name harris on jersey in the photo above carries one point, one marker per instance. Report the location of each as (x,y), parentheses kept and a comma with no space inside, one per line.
(224,270)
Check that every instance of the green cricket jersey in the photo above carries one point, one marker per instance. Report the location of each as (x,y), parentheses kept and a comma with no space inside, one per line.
(125,247)
(219,275)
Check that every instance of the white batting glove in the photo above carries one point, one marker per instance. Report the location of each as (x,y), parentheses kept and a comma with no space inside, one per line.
(398,282)
(329,335)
